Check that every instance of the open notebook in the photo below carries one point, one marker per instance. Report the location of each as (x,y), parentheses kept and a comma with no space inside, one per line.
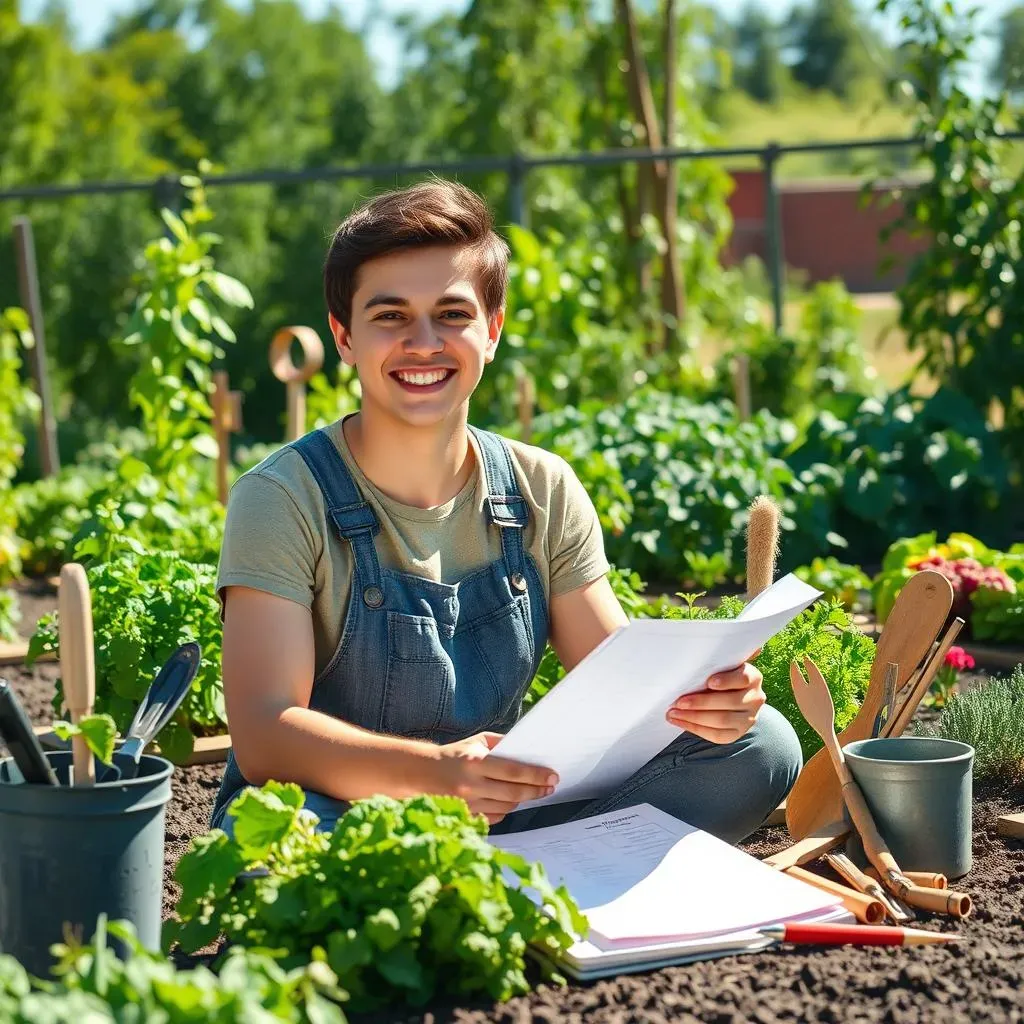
(658,891)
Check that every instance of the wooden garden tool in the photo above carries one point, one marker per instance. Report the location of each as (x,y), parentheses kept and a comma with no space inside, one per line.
(295,377)
(77,667)
(846,869)
(917,616)
(815,703)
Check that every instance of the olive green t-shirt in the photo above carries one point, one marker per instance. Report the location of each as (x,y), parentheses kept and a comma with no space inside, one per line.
(277,538)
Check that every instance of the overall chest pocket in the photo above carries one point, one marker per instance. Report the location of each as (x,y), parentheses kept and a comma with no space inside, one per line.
(419,679)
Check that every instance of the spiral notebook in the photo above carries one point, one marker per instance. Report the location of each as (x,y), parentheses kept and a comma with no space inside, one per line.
(657,891)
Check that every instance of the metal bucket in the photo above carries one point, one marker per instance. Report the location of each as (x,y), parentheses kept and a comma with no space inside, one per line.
(69,853)
(918,789)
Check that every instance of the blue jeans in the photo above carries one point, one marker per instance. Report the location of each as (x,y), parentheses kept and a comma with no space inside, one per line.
(725,789)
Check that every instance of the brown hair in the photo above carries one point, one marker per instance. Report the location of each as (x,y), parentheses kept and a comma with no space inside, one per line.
(434,212)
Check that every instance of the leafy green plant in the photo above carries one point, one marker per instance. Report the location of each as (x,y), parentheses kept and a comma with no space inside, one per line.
(838,581)
(327,401)
(690,472)
(178,330)
(997,616)
(826,634)
(989,718)
(796,371)
(17,401)
(144,606)
(909,464)
(93,984)
(405,898)
(98,731)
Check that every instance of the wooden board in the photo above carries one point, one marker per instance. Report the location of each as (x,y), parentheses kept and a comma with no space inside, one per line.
(778,816)
(16,653)
(1011,825)
(206,750)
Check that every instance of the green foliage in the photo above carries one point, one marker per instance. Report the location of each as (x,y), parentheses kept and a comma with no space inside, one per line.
(684,476)
(99,732)
(144,606)
(826,634)
(837,581)
(92,984)
(991,719)
(406,899)
(908,464)
(17,401)
(327,402)
(818,365)
(963,298)
(997,616)
(178,329)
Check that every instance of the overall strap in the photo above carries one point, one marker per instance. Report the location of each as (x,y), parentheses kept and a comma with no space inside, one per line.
(353,517)
(506,507)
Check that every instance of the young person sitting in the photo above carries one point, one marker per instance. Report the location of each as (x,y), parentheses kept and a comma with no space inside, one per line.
(389,583)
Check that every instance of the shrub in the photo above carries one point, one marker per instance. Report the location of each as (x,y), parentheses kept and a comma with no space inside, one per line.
(838,581)
(10,615)
(681,476)
(991,719)
(405,898)
(144,606)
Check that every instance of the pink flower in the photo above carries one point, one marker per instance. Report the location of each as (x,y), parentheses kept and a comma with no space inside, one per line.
(959,659)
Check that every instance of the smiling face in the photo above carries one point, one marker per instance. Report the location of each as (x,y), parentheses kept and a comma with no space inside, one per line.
(420,335)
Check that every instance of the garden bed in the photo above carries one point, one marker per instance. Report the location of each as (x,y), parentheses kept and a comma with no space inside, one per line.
(983,980)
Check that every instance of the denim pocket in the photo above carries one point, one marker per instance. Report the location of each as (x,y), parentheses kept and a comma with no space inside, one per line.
(420,677)
(504,644)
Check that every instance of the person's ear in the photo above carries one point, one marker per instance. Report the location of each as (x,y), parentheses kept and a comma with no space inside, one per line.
(495,322)
(342,340)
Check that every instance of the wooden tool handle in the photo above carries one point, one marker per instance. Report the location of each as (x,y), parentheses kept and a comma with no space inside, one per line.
(925,879)
(938,901)
(865,908)
(810,848)
(874,845)
(928,672)
(77,667)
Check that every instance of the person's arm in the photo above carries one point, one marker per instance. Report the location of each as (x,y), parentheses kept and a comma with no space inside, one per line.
(268,670)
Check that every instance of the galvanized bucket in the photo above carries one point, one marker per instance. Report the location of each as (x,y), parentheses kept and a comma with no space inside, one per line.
(918,789)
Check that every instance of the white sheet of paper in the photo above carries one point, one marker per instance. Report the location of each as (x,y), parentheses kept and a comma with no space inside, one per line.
(644,877)
(606,718)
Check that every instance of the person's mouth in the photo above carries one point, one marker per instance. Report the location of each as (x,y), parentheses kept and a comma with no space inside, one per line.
(423,381)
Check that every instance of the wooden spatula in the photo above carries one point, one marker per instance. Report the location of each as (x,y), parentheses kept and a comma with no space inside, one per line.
(77,667)
(920,610)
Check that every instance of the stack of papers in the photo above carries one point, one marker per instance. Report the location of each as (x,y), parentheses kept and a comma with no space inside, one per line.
(657,891)
(606,718)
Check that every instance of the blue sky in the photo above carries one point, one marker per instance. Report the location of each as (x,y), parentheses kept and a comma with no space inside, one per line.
(91,17)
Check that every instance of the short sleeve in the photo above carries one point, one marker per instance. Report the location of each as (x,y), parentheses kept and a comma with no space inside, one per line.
(269,544)
(575,537)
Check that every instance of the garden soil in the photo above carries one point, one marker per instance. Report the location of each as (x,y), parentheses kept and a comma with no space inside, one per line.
(981,979)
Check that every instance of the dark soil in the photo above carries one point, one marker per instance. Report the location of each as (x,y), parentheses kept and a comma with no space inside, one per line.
(982,979)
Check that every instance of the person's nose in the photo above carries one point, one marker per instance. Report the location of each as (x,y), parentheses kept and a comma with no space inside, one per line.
(422,338)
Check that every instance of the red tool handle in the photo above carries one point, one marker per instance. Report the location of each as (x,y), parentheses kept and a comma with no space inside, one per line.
(839,934)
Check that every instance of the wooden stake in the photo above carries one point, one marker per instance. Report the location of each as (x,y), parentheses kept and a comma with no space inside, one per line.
(1011,825)
(295,377)
(227,419)
(28,287)
(741,385)
(77,664)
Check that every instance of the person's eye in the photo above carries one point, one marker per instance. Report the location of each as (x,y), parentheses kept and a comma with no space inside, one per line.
(458,314)
(391,314)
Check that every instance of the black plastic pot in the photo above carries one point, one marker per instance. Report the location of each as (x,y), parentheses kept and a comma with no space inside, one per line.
(70,853)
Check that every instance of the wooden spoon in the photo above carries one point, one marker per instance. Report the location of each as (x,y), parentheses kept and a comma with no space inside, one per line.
(920,610)
(77,667)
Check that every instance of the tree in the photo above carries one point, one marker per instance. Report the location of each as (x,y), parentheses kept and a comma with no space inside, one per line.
(1008,72)
(834,46)
(758,66)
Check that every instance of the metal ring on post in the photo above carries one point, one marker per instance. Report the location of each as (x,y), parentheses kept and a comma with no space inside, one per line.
(281,356)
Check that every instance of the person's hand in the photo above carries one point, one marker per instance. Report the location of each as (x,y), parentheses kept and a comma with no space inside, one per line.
(492,786)
(726,709)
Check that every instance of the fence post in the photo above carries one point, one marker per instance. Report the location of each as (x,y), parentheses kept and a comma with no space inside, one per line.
(28,286)
(517,189)
(773,227)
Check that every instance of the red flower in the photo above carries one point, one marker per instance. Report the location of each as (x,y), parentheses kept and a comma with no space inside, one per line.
(959,659)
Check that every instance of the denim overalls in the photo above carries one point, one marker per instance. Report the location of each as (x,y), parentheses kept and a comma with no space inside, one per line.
(427,660)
